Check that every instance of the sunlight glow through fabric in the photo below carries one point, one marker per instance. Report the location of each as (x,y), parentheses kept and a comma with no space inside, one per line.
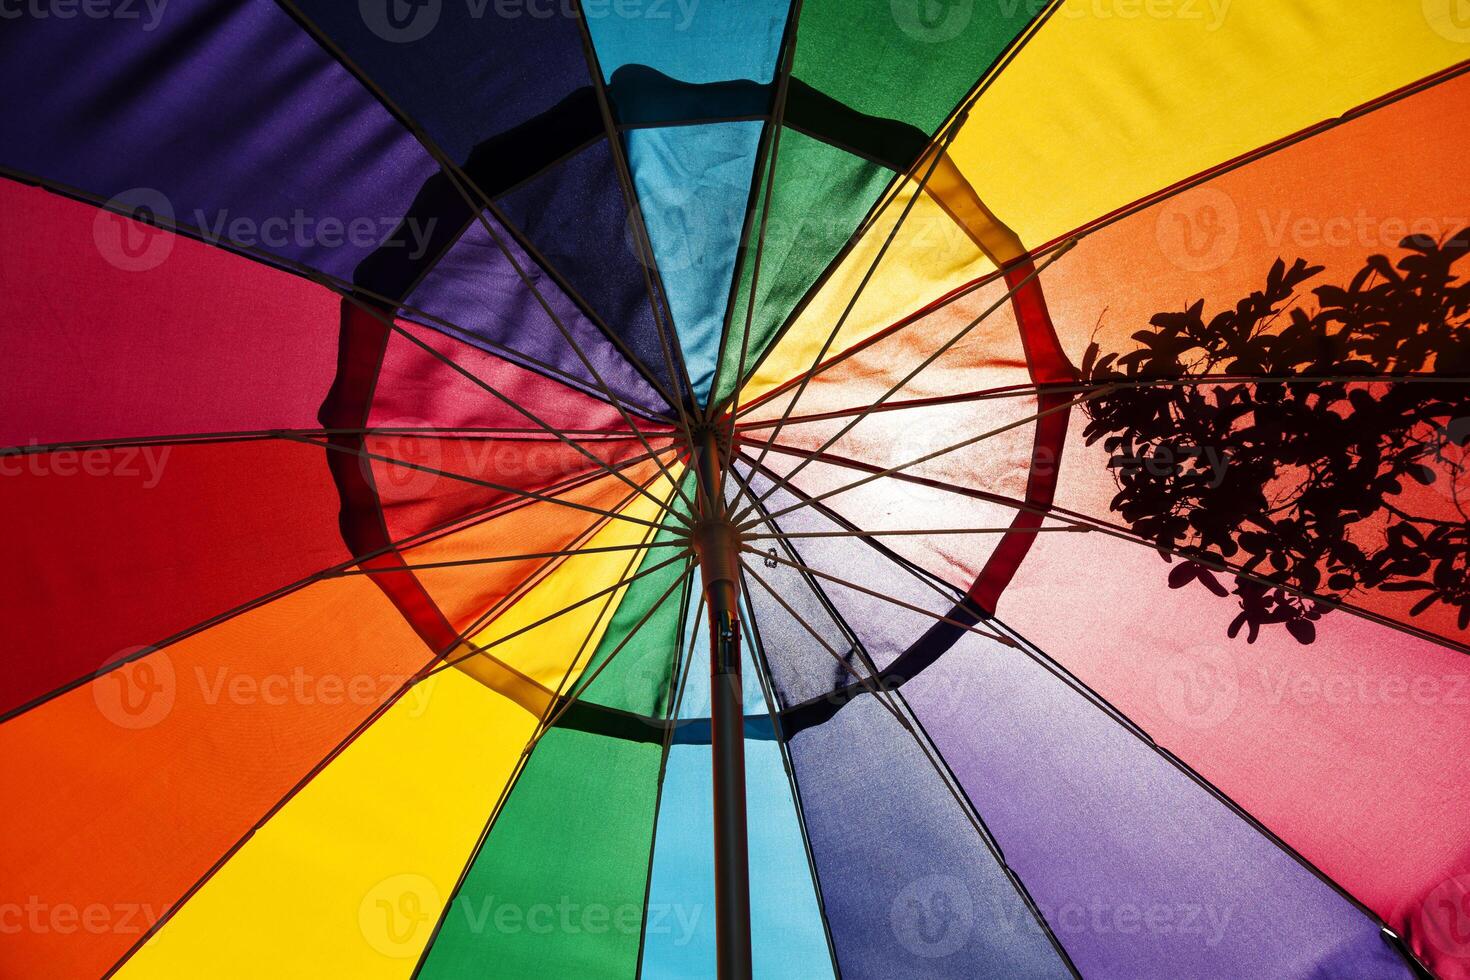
(1088,385)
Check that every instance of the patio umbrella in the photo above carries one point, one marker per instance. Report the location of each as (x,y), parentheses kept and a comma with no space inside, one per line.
(604,488)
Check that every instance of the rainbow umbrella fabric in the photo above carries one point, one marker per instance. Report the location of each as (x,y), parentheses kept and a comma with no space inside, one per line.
(1086,389)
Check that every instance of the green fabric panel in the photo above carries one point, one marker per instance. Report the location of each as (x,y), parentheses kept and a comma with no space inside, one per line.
(637,680)
(820,195)
(558,889)
(912,60)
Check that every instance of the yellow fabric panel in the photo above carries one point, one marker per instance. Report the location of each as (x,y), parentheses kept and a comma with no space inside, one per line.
(1113,100)
(349,877)
(542,654)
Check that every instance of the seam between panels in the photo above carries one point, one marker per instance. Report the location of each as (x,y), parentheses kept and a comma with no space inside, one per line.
(785,59)
(1101,703)
(342,745)
(514,779)
(946,775)
(343,288)
(889,193)
(678,674)
(962,797)
(463,184)
(763,674)
(653,282)
(1083,231)
(1042,659)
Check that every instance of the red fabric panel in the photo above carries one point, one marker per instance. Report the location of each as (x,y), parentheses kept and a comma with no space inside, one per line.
(112,549)
(100,348)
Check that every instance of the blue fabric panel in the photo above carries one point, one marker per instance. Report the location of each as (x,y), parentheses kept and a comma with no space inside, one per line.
(691,40)
(909,887)
(693,183)
(679,931)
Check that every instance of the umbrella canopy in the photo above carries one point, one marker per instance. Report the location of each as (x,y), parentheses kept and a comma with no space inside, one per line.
(614,488)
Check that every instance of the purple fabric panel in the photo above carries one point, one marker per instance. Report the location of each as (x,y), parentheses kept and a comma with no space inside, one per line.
(1139,870)
(475,287)
(228,110)
(910,889)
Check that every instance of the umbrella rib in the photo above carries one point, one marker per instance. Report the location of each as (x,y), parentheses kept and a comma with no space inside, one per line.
(915,532)
(895,185)
(475,481)
(1024,391)
(457,177)
(949,137)
(481,650)
(447,527)
(527,412)
(866,681)
(510,783)
(566,701)
(667,336)
(341,288)
(899,468)
(487,433)
(1007,641)
(498,559)
(775,124)
(462,183)
(1084,522)
(935,355)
